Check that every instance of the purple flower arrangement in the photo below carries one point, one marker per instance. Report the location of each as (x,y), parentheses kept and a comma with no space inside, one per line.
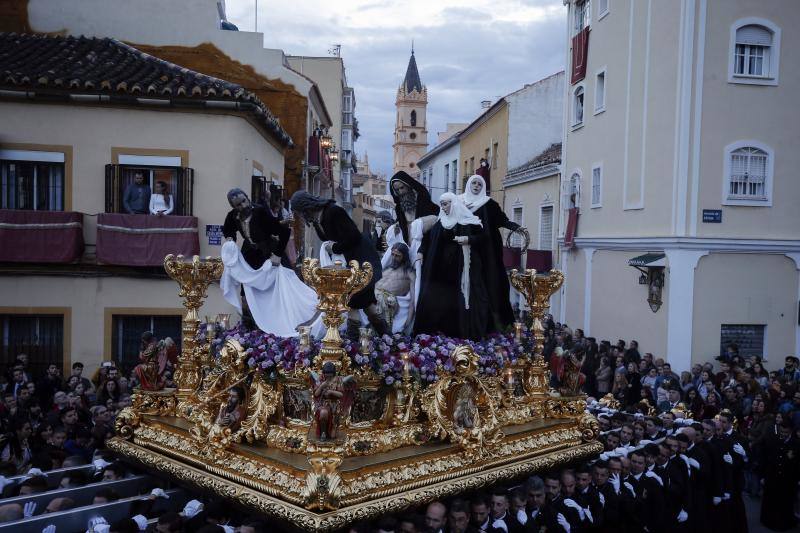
(426,353)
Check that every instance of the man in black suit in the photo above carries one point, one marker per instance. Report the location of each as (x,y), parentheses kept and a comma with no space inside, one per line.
(678,489)
(780,468)
(646,508)
(739,451)
(610,488)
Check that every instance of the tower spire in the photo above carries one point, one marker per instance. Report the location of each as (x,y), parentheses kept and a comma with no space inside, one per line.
(412,82)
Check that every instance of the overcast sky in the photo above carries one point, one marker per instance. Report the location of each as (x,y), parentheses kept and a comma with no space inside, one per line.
(466,50)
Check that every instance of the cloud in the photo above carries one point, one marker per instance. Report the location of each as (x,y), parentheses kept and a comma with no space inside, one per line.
(466,51)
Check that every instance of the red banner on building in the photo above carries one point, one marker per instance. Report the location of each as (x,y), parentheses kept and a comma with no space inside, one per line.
(144,240)
(580,53)
(572,228)
(40,236)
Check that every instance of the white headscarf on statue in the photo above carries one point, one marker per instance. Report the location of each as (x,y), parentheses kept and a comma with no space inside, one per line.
(459,214)
(471,200)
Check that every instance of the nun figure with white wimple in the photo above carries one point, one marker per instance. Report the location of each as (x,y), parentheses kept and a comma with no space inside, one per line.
(492,217)
(453,297)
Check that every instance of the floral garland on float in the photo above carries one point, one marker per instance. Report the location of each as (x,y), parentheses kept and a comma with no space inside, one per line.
(424,354)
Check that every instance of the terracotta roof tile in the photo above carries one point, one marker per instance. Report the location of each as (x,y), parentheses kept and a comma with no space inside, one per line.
(551,155)
(77,64)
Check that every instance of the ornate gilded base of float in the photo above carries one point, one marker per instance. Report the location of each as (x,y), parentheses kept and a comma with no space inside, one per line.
(277,483)
(330,442)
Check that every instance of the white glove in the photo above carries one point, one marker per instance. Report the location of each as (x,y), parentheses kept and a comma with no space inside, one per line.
(682,516)
(572,503)
(5,481)
(614,480)
(98,524)
(499,524)
(100,464)
(602,499)
(604,456)
(740,450)
(141,521)
(522,517)
(727,458)
(589,515)
(33,472)
(645,442)
(630,488)
(717,500)
(653,475)
(28,509)
(227,528)
(621,451)
(562,521)
(159,493)
(726,496)
(693,463)
(49,529)
(192,508)
(688,421)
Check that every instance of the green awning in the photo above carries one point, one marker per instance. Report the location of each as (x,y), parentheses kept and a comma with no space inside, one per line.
(648,260)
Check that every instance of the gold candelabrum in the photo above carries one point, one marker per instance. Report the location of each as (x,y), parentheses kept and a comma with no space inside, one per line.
(193,277)
(334,286)
(537,289)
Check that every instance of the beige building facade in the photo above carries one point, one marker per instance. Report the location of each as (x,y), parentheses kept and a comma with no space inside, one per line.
(100,309)
(679,157)
(486,137)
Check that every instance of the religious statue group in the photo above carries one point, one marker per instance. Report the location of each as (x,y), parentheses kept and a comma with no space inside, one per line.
(436,269)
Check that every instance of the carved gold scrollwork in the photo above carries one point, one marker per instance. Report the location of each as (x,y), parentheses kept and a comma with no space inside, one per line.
(463,407)
(323,489)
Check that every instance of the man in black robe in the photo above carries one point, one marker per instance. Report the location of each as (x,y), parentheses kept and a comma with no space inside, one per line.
(333,224)
(780,467)
(452,296)
(411,201)
(263,235)
(493,218)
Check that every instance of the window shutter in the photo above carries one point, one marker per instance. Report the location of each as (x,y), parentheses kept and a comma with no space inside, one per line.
(113,190)
(754,35)
(186,191)
(546,229)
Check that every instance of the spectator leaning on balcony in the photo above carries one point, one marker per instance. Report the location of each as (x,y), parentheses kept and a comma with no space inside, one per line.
(136,199)
(161,201)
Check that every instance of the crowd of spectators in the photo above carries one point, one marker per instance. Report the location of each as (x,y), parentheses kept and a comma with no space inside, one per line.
(682,451)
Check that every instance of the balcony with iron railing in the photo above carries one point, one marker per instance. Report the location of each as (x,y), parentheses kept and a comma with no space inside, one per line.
(36,233)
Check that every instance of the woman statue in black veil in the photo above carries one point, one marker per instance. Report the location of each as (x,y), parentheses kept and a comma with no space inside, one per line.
(453,298)
(492,218)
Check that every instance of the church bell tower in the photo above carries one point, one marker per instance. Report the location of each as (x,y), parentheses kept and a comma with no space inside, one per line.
(410,130)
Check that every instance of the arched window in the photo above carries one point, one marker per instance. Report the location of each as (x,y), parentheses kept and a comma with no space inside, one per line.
(571,191)
(755,50)
(574,198)
(748,174)
(413,117)
(577,106)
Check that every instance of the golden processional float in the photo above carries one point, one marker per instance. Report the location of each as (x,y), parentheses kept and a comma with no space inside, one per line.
(389,448)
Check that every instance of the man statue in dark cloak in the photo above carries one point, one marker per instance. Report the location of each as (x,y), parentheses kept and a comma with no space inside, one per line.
(493,218)
(333,224)
(453,298)
(411,201)
(263,237)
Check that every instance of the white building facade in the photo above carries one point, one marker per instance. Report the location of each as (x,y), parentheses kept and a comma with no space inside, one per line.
(680,155)
(439,168)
